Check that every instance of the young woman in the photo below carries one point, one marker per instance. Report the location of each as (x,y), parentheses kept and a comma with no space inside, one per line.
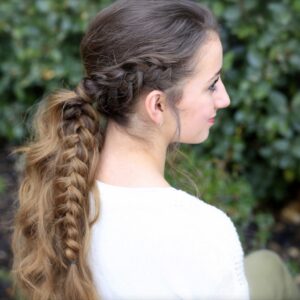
(97,219)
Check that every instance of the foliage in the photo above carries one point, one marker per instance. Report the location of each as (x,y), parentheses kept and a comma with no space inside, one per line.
(257,138)
(259,135)
(39,52)
(2,185)
(6,283)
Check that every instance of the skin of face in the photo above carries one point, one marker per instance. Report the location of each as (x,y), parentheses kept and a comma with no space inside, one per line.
(203,94)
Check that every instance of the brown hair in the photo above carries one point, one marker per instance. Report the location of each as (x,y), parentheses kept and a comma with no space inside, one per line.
(130,48)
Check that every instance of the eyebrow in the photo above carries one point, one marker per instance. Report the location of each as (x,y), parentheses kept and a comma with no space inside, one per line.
(218,73)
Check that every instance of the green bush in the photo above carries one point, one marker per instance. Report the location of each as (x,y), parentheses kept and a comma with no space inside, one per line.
(259,136)
(39,52)
(256,141)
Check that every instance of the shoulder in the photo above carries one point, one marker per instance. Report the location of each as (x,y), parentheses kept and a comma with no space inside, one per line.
(168,208)
(199,209)
(210,223)
(202,240)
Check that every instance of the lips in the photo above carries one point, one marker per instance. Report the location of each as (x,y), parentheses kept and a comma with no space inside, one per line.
(212,120)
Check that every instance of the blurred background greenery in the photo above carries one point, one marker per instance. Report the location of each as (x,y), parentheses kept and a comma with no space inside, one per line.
(250,165)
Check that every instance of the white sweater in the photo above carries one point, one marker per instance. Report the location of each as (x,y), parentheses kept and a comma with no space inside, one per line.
(162,243)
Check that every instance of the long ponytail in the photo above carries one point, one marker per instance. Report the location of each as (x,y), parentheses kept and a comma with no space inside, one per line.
(52,224)
(130,48)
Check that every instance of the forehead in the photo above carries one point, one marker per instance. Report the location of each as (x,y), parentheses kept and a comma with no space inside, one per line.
(209,58)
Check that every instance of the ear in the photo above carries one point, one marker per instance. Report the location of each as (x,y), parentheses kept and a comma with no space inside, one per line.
(155,105)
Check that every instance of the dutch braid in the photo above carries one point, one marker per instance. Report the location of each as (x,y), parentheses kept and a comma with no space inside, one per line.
(117,88)
(78,134)
(68,170)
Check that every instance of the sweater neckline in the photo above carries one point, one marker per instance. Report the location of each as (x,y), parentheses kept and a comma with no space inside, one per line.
(136,188)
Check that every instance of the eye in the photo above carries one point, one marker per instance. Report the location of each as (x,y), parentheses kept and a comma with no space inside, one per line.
(213,87)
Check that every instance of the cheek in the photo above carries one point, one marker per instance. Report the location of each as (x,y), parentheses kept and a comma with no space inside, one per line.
(194,119)
(202,112)
(196,110)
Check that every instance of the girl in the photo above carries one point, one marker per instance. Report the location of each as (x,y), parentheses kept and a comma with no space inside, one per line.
(97,219)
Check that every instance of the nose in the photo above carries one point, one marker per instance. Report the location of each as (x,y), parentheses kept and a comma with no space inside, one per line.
(222,98)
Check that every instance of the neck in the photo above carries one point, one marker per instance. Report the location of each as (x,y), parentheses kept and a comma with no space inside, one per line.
(130,161)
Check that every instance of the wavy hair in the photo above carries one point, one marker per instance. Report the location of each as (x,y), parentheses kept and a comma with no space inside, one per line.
(129,48)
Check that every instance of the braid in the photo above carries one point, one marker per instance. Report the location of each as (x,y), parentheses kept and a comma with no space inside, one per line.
(116,88)
(77,133)
(60,168)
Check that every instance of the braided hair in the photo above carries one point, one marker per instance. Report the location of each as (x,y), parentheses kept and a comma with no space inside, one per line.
(130,48)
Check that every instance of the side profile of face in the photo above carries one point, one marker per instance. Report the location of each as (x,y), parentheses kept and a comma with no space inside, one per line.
(203,94)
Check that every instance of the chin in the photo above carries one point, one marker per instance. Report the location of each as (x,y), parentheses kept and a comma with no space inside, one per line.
(194,140)
(198,141)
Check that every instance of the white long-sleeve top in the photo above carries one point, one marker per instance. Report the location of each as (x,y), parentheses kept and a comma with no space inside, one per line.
(162,243)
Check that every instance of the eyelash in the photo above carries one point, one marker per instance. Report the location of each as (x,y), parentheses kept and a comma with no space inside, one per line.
(212,88)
